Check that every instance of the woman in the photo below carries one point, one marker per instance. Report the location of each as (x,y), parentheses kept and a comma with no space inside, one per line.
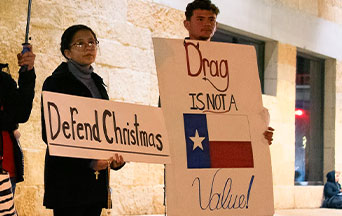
(77,186)
(332,192)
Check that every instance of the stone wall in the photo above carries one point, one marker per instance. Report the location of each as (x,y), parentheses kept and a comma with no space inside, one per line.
(330,10)
(326,9)
(126,62)
(338,117)
(280,74)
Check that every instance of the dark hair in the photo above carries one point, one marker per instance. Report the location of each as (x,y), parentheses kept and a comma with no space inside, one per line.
(69,34)
(200,4)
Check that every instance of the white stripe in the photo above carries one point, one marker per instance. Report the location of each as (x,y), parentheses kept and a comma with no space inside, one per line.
(224,127)
(9,204)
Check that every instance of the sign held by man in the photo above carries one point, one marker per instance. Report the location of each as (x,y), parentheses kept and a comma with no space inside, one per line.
(219,135)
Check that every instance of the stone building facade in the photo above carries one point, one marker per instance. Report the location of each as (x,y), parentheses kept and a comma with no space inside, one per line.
(126,62)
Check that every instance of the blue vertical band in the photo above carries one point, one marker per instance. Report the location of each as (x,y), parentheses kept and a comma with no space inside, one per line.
(196,158)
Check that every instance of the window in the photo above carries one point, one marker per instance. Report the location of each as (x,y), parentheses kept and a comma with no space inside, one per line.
(230,37)
(309,120)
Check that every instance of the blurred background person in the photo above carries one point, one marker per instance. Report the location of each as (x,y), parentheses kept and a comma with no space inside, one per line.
(332,191)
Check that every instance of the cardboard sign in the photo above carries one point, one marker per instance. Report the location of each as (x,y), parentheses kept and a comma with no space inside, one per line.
(92,128)
(211,99)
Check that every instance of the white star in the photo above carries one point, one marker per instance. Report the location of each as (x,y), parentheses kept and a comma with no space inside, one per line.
(197,141)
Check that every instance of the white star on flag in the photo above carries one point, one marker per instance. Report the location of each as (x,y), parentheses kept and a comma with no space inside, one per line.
(197,141)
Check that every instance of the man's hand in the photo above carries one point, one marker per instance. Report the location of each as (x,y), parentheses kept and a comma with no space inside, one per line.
(27,58)
(268,134)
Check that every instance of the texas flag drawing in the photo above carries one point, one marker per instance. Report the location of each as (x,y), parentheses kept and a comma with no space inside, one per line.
(218,141)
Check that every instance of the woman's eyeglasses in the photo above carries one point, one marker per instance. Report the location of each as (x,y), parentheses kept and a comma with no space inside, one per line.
(83,45)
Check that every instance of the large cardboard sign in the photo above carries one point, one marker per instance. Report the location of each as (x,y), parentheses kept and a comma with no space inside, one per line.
(211,99)
(93,128)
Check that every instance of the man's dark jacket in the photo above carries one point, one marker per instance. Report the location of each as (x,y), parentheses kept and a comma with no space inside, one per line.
(70,182)
(16,105)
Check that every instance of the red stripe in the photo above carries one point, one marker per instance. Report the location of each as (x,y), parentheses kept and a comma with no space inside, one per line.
(8,156)
(231,154)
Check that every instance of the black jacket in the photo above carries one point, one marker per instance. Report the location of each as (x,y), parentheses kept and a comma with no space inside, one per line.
(17,106)
(331,187)
(71,181)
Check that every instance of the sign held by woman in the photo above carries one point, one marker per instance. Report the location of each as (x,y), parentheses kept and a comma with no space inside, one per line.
(93,128)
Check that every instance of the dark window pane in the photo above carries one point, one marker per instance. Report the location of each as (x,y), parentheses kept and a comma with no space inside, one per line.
(309,120)
(230,37)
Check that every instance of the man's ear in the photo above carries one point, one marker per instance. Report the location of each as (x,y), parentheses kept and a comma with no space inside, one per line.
(186,24)
(67,53)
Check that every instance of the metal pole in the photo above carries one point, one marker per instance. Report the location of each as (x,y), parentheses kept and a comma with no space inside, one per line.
(25,45)
(28,22)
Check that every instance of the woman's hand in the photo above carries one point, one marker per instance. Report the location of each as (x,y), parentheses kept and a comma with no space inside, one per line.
(117,162)
(99,164)
(114,162)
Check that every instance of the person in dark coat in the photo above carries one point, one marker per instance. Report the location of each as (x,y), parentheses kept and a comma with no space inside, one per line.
(71,186)
(332,192)
(15,108)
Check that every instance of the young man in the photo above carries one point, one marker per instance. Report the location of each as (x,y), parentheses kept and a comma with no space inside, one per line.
(201,24)
(201,19)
